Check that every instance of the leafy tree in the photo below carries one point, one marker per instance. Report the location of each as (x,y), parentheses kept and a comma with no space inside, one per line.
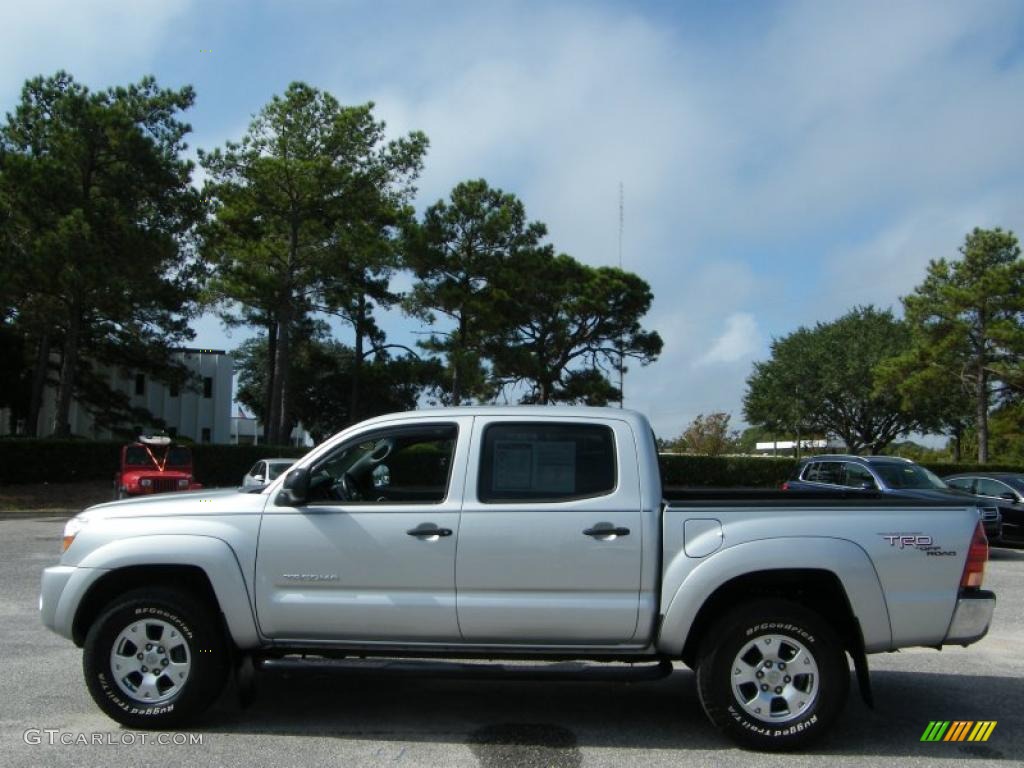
(568,324)
(96,206)
(748,439)
(455,254)
(1006,434)
(924,384)
(779,391)
(322,371)
(823,378)
(300,204)
(968,323)
(707,436)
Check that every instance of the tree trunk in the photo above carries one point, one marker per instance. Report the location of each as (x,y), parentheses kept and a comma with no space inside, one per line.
(543,392)
(38,385)
(279,400)
(981,401)
(271,361)
(357,362)
(69,364)
(457,361)
(958,431)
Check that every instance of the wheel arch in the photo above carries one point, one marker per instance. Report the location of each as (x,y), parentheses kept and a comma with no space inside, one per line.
(834,577)
(816,589)
(202,565)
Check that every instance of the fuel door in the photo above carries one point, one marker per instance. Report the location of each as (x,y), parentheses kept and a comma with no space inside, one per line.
(701,537)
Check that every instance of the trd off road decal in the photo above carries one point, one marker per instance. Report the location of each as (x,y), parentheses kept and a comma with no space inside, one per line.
(917,541)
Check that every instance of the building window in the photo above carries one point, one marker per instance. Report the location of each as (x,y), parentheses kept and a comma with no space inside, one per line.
(140,384)
(206,434)
(207,387)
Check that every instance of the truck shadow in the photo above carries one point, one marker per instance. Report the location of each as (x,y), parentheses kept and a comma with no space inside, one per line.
(1006,552)
(538,723)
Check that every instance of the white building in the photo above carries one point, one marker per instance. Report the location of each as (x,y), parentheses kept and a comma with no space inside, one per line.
(248,430)
(805,445)
(200,412)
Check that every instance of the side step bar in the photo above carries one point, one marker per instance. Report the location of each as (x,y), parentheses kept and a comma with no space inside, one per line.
(574,671)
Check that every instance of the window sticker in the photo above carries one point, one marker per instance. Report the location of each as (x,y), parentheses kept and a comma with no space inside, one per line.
(554,466)
(513,465)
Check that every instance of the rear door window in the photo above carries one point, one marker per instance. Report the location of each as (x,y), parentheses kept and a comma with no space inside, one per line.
(546,462)
(993,488)
(857,476)
(962,484)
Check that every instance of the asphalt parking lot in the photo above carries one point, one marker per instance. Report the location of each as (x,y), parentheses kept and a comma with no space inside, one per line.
(317,718)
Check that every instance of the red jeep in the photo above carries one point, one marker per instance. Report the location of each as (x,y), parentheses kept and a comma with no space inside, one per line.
(153,465)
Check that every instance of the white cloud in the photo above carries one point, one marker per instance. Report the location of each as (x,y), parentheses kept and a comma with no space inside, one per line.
(740,340)
(92,40)
(783,170)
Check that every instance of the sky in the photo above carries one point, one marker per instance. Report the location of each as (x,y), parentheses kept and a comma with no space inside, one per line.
(780,162)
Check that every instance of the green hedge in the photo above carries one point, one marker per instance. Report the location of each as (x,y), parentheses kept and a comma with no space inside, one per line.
(35,461)
(678,470)
(56,461)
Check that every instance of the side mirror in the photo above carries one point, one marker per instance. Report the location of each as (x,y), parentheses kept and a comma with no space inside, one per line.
(258,478)
(295,490)
(1008,495)
(867,485)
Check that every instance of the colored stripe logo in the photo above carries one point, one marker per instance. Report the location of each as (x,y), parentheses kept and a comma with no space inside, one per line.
(959,730)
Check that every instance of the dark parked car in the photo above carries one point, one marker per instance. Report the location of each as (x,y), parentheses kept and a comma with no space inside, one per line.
(1004,490)
(884,475)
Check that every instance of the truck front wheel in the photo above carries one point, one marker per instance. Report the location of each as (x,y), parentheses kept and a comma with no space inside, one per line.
(155,658)
(772,675)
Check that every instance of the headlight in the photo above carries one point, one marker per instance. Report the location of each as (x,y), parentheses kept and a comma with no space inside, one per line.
(71,530)
(145,482)
(183,483)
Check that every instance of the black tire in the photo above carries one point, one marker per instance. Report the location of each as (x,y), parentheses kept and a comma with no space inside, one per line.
(198,630)
(735,632)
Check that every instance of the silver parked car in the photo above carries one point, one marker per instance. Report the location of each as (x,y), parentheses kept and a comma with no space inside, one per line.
(265,471)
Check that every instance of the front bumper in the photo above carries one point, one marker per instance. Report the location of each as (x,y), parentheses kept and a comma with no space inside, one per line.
(54,581)
(61,593)
(972,617)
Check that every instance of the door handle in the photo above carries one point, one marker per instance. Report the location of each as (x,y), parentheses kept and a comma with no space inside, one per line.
(605,529)
(427,532)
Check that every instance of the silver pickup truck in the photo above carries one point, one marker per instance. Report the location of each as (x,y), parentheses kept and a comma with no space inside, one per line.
(512,533)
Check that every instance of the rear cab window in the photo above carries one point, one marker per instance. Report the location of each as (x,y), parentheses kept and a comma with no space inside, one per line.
(546,462)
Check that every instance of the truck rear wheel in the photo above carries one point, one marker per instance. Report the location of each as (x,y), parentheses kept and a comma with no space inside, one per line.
(772,675)
(155,658)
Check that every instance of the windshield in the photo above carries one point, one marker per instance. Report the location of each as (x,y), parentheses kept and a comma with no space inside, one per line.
(275,468)
(138,456)
(908,476)
(179,457)
(1017,483)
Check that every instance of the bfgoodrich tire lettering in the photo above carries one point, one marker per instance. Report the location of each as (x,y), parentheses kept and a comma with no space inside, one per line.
(197,646)
(772,675)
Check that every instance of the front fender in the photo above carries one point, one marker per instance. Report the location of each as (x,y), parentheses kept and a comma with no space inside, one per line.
(212,555)
(688,586)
